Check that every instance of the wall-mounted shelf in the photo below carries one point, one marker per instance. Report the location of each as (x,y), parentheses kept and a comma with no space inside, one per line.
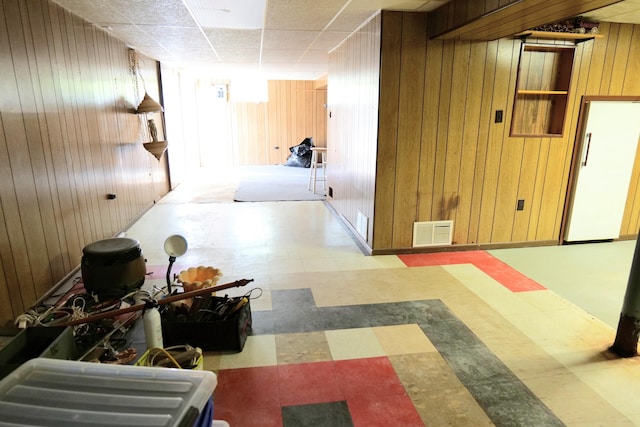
(542,91)
(556,35)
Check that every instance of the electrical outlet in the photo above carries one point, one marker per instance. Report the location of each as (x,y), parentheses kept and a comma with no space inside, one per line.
(520,205)
(498,116)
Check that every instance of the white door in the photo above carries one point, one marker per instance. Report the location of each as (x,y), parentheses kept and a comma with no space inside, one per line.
(610,140)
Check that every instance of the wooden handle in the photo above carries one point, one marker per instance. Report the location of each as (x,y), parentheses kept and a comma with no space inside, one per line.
(167,300)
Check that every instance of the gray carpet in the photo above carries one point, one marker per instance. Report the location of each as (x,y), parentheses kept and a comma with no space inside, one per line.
(273,183)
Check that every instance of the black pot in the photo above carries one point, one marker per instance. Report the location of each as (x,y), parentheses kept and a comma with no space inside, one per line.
(112,268)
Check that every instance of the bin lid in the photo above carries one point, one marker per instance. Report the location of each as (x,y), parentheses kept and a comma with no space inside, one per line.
(51,392)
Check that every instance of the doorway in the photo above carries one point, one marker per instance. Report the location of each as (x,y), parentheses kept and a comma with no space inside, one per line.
(603,164)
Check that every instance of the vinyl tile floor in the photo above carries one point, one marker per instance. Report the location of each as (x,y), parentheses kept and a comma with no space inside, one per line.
(343,339)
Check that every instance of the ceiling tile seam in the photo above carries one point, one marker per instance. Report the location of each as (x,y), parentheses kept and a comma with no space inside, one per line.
(326,27)
(193,16)
(136,26)
(366,21)
(264,24)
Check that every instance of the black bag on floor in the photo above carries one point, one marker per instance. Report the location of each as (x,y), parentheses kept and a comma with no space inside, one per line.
(300,154)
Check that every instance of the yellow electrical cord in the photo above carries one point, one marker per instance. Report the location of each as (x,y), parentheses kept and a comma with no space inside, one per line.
(158,356)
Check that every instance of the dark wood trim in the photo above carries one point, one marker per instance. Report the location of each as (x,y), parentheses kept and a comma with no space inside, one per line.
(462,248)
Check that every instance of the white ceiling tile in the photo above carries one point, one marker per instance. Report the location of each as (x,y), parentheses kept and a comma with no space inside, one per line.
(95,11)
(154,12)
(301,14)
(239,14)
(274,39)
(131,32)
(220,37)
(279,56)
(315,57)
(239,56)
(329,40)
(352,17)
(176,37)
(297,34)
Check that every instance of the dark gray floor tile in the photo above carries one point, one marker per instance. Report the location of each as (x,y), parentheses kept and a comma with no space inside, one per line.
(332,414)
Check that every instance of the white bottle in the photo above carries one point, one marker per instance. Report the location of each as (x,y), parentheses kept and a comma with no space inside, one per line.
(152,325)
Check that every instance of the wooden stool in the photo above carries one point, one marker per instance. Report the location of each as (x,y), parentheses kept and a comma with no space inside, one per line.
(315,165)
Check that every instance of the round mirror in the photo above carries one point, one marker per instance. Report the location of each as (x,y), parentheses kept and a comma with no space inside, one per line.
(175,245)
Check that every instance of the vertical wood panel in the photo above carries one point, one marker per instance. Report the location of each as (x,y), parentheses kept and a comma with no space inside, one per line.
(474,81)
(353,142)
(494,149)
(431,96)
(412,71)
(442,129)
(510,160)
(451,195)
(388,129)
(482,143)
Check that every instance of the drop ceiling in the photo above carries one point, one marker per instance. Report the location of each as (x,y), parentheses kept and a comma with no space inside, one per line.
(278,39)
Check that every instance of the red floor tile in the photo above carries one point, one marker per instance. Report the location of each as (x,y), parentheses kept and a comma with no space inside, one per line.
(384,412)
(501,272)
(242,389)
(250,416)
(306,383)
(370,377)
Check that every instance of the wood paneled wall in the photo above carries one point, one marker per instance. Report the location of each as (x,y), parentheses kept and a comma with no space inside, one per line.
(354,80)
(222,132)
(67,138)
(464,166)
(440,155)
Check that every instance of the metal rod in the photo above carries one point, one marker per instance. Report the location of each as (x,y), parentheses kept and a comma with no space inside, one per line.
(167,300)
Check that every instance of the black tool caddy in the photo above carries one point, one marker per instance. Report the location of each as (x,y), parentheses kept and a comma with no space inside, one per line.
(209,322)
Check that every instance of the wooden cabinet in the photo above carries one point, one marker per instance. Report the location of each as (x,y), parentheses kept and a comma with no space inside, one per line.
(542,90)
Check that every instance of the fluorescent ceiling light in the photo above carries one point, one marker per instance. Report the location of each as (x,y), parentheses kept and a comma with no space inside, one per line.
(240,14)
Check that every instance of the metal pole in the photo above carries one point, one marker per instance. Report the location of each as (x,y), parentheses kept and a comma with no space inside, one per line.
(626,342)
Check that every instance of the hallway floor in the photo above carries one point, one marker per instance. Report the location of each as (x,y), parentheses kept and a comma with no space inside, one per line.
(460,339)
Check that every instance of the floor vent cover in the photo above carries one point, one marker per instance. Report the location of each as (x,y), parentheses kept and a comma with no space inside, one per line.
(432,233)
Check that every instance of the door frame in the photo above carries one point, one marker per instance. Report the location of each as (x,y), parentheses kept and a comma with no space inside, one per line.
(575,158)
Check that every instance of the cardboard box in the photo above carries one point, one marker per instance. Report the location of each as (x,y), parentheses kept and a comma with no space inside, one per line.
(210,333)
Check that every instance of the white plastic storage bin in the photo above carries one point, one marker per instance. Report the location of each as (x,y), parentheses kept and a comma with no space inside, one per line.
(50,392)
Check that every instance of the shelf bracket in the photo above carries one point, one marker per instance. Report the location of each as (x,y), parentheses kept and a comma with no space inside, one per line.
(578,41)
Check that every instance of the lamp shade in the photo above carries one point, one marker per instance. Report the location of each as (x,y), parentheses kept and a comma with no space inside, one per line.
(148,105)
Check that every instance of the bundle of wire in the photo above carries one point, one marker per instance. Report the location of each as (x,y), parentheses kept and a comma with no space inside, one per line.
(179,356)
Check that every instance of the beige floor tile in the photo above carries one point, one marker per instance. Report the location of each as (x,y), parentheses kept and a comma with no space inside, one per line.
(424,373)
(302,348)
(353,344)
(258,350)
(403,339)
(452,407)
(574,402)
(608,380)
(527,360)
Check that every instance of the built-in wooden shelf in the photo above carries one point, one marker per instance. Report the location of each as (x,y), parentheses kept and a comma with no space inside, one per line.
(542,91)
(556,35)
